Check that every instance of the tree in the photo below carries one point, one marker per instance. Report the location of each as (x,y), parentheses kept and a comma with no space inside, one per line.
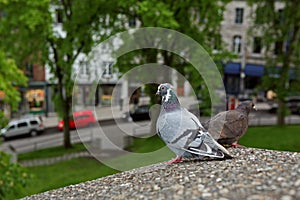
(200,20)
(13,178)
(29,26)
(10,78)
(280,28)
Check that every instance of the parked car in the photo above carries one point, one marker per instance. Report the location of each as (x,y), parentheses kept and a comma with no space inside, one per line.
(292,102)
(138,114)
(80,119)
(24,126)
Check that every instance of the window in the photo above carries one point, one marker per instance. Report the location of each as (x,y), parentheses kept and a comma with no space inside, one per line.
(251,82)
(132,22)
(29,70)
(237,44)
(107,70)
(232,84)
(278,47)
(22,124)
(34,122)
(217,42)
(260,16)
(59,15)
(11,127)
(257,45)
(280,17)
(239,14)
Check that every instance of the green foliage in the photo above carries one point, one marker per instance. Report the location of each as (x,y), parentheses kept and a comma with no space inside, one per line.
(13,177)
(29,26)
(10,78)
(281,28)
(199,20)
(151,90)
(3,120)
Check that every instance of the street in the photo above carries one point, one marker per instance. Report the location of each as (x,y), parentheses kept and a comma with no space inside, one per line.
(115,136)
(114,133)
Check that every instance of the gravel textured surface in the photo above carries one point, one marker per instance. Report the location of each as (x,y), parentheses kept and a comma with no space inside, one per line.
(253,174)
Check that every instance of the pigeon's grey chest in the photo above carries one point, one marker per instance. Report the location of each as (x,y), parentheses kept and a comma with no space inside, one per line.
(172,124)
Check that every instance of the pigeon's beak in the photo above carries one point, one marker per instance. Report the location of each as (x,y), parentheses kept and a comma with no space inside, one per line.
(157,93)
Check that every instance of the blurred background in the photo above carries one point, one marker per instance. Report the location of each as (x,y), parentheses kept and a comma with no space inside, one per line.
(46,43)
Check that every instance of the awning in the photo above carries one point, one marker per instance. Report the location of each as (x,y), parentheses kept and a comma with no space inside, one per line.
(254,70)
(294,74)
(274,72)
(232,68)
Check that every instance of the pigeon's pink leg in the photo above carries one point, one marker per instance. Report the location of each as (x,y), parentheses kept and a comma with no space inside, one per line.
(178,159)
(235,145)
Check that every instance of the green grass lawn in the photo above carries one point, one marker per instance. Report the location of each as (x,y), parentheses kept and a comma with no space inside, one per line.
(64,173)
(267,137)
(273,137)
(83,169)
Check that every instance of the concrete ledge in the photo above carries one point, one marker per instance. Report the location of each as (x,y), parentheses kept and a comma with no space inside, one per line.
(252,174)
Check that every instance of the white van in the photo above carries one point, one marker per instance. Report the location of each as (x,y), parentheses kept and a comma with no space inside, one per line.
(26,126)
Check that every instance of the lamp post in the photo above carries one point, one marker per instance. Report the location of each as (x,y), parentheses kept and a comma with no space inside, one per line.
(242,72)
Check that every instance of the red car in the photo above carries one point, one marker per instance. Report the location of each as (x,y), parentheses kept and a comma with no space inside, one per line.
(80,119)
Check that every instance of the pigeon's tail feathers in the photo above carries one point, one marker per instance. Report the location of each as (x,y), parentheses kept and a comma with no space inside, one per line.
(203,145)
(223,149)
(200,153)
(227,156)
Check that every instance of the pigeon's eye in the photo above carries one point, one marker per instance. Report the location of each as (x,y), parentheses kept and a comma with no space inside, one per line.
(162,88)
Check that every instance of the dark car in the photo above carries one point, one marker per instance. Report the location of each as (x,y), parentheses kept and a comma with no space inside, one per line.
(140,113)
(292,102)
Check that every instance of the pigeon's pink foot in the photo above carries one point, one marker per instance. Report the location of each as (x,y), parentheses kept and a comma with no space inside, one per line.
(178,159)
(236,145)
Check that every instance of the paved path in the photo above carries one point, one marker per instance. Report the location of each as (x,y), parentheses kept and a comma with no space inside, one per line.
(53,160)
(106,154)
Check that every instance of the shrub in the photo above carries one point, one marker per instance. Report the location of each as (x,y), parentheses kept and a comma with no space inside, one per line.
(13,177)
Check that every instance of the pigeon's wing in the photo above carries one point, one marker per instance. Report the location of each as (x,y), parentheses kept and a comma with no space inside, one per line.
(199,143)
(235,126)
(216,124)
(173,124)
(190,119)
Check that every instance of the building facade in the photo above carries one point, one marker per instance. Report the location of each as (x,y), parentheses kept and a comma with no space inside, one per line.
(244,74)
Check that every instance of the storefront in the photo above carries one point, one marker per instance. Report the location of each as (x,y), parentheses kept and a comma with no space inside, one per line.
(102,95)
(232,78)
(35,97)
(253,75)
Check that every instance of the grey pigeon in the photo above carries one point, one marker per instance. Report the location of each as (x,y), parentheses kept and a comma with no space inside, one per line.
(182,131)
(229,126)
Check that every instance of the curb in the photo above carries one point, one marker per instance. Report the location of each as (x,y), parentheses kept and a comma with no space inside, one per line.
(104,122)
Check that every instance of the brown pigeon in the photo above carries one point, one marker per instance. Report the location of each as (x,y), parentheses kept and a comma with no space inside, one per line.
(229,126)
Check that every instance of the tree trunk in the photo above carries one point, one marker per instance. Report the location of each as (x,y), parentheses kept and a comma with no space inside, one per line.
(67,136)
(281,113)
(64,100)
